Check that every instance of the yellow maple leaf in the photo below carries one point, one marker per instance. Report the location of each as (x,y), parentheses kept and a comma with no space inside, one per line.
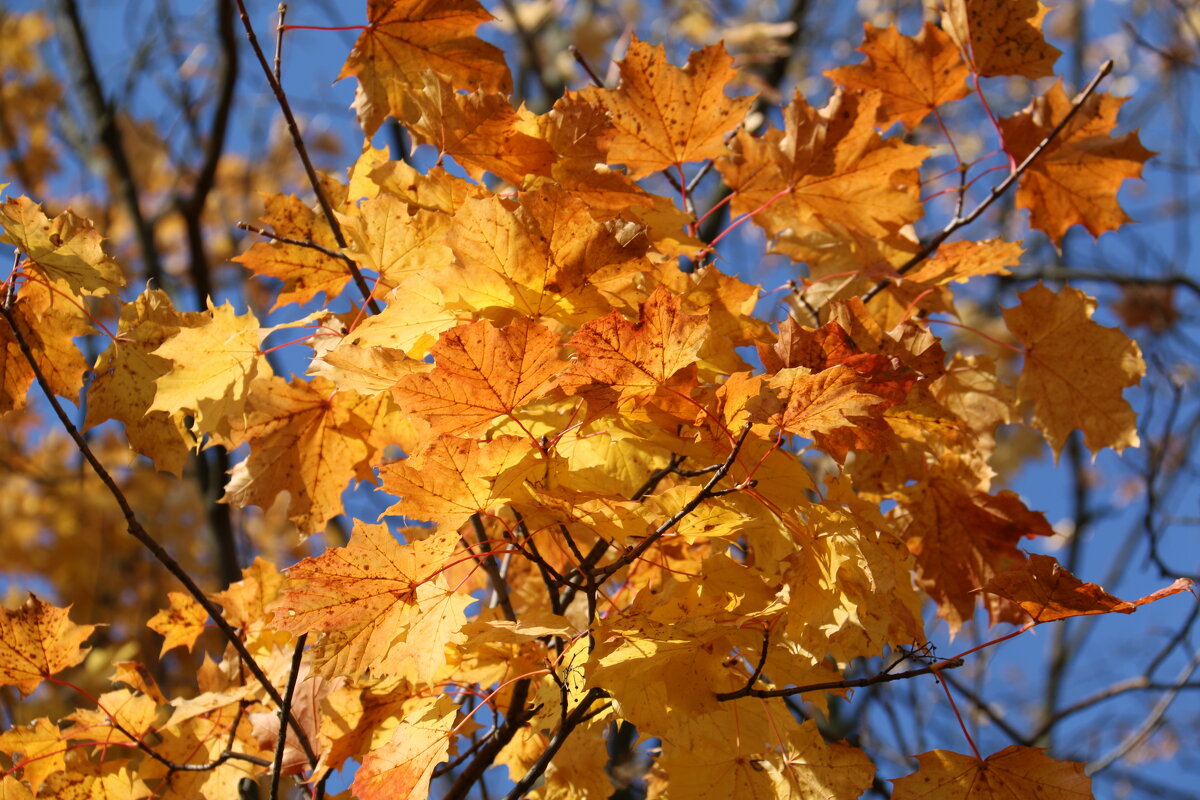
(49,320)
(1075,179)
(666,116)
(124,385)
(36,641)
(1015,771)
(402,768)
(42,747)
(305,271)
(66,248)
(454,478)
(1075,369)
(181,624)
(388,239)
(407,37)
(1001,38)
(213,367)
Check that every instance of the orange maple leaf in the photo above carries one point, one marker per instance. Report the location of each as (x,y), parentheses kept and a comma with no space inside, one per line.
(482,372)
(961,538)
(1015,771)
(804,402)
(454,478)
(1048,592)
(49,320)
(666,116)
(407,37)
(1075,369)
(306,439)
(915,74)
(36,641)
(826,168)
(305,271)
(402,768)
(383,605)
(1076,178)
(634,359)
(1001,38)
(181,624)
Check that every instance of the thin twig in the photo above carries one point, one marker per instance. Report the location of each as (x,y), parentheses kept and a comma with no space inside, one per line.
(573,720)
(492,568)
(883,677)
(302,150)
(306,243)
(284,712)
(960,221)
(581,61)
(280,29)
(138,532)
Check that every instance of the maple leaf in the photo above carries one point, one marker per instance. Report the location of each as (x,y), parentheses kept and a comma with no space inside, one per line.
(125,374)
(49,320)
(961,539)
(454,478)
(384,606)
(37,641)
(66,248)
(1075,369)
(1015,771)
(666,116)
(634,359)
(1049,592)
(481,131)
(916,75)
(305,271)
(826,167)
(43,748)
(181,624)
(407,37)
(546,257)
(805,403)
(403,767)
(482,372)
(306,439)
(213,367)
(1001,38)
(387,238)
(1075,179)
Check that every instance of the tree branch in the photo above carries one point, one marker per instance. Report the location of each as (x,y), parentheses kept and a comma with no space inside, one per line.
(883,677)
(998,190)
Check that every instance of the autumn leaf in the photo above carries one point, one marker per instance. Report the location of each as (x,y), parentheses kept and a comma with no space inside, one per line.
(961,538)
(805,403)
(482,372)
(43,748)
(49,320)
(666,116)
(394,243)
(402,768)
(306,439)
(181,624)
(916,75)
(1049,592)
(1075,179)
(1075,369)
(66,248)
(37,641)
(454,478)
(1015,771)
(636,358)
(826,167)
(384,606)
(1001,38)
(481,130)
(125,374)
(212,368)
(305,271)
(407,37)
